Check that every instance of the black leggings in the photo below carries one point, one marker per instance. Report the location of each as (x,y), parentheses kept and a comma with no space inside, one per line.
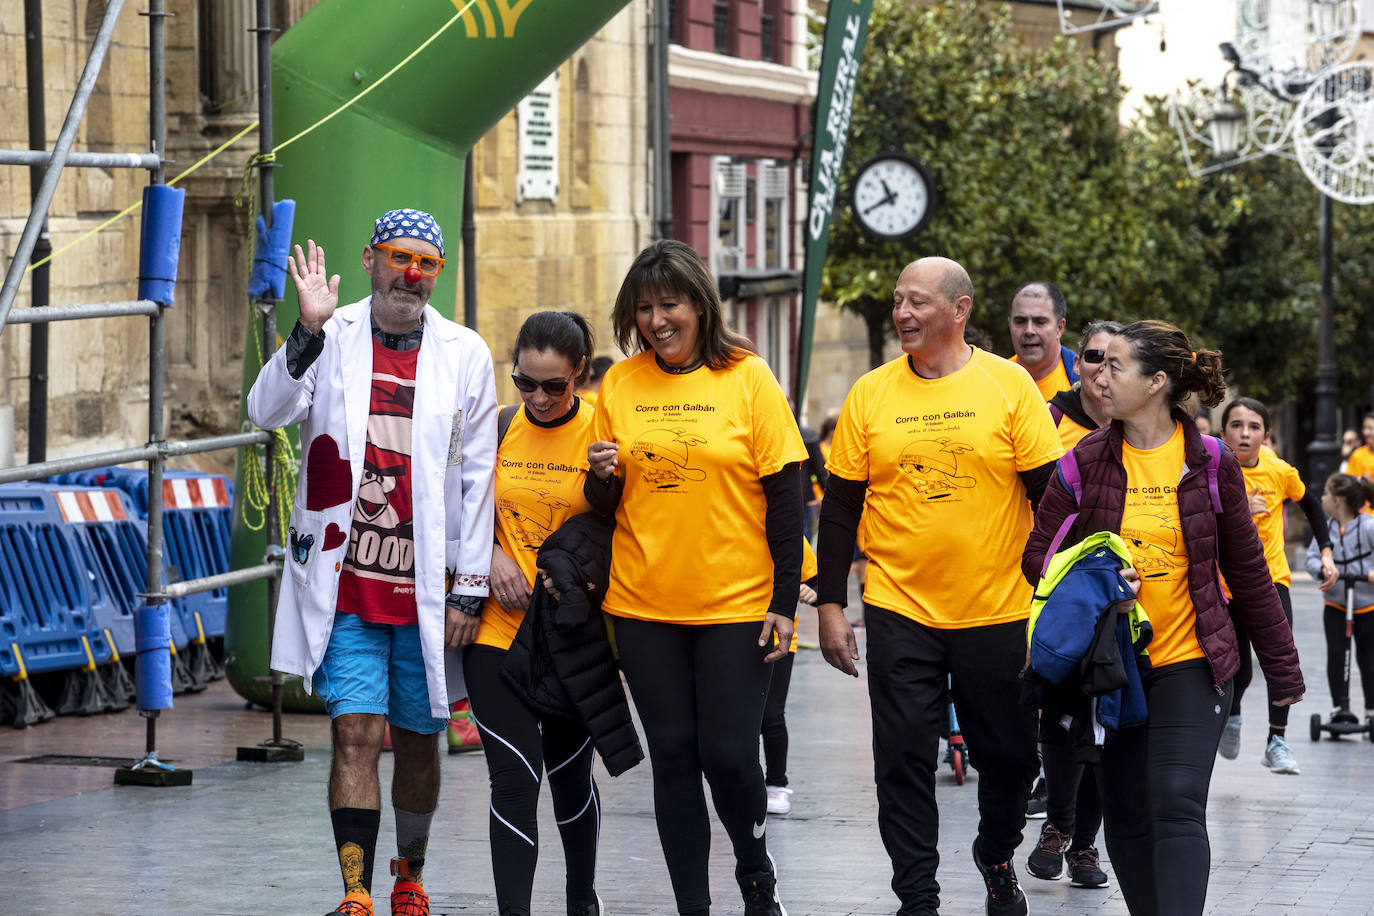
(1278,715)
(1071,801)
(1153,782)
(775,722)
(519,743)
(1333,621)
(700,691)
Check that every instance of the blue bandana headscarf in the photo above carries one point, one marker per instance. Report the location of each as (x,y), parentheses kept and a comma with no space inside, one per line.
(408,224)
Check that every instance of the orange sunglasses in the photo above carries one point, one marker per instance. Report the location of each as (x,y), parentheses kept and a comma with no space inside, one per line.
(401,259)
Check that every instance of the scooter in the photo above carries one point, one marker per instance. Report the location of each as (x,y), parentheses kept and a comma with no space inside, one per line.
(1343,721)
(956,751)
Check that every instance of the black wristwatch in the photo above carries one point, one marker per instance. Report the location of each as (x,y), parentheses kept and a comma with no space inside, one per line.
(470,605)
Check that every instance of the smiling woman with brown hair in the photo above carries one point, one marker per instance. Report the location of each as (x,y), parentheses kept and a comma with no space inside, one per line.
(697,456)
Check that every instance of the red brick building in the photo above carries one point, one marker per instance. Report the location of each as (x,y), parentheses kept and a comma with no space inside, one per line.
(740,98)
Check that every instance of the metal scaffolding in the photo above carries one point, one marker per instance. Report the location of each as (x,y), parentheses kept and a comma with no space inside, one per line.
(33,246)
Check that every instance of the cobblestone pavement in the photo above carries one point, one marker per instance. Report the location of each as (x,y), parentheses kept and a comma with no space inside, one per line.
(256,839)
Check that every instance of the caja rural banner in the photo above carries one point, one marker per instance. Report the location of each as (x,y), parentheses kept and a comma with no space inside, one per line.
(846,31)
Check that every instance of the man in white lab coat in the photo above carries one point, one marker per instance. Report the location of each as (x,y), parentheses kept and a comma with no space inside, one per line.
(390,537)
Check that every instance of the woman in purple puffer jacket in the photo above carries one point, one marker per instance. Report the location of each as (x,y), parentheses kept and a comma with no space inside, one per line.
(1146,478)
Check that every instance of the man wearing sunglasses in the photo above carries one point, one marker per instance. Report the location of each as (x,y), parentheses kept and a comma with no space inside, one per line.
(390,534)
(1037,317)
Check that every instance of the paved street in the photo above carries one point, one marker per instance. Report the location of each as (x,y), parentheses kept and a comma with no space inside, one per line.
(255,838)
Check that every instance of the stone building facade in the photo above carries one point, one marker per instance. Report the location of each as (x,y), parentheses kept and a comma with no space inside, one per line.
(568,252)
(740,96)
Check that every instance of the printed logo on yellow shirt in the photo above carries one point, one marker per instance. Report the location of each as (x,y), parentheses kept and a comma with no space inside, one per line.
(1156,544)
(933,466)
(529,515)
(667,457)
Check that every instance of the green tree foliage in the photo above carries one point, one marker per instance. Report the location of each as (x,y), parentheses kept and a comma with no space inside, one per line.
(1037,181)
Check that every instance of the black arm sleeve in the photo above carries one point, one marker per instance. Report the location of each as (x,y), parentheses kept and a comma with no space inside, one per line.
(302,349)
(783,524)
(839,530)
(1035,481)
(603,495)
(1316,519)
(815,467)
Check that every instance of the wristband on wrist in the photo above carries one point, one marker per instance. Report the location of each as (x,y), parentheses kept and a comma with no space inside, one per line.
(471,605)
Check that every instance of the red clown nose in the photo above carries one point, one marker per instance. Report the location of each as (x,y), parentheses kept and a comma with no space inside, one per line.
(413,275)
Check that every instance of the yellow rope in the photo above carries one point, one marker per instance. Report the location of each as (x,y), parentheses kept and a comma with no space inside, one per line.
(252,464)
(281,146)
(385,76)
(138,203)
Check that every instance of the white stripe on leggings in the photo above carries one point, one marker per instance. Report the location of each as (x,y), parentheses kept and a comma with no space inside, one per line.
(497,814)
(577,753)
(512,747)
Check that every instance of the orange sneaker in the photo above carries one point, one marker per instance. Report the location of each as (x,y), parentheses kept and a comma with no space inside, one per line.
(408,898)
(358,903)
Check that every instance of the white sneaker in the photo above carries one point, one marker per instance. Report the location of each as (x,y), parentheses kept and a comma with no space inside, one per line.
(779,800)
(1230,738)
(1279,757)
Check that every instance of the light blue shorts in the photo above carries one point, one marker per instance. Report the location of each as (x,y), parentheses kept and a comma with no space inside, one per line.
(376,668)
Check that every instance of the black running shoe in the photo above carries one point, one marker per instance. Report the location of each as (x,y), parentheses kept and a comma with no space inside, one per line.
(760,892)
(1035,805)
(590,908)
(1084,870)
(1004,893)
(1046,861)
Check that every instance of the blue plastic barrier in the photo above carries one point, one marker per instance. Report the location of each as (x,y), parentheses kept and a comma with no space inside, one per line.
(196,522)
(46,601)
(49,608)
(117,560)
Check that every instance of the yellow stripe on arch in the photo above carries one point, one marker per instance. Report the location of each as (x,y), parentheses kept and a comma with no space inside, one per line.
(470,25)
(510,14)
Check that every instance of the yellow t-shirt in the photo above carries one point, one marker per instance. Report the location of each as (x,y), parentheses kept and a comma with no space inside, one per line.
(1151,529)
(1277,481)
(1071,432)
(1052,384)
(946,516)
(1361,462)
(540,471)
(689,543)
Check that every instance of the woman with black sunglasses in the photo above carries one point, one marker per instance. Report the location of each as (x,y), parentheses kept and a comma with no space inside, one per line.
(1079,410)
(541,463)
(1073,810)
(697,456)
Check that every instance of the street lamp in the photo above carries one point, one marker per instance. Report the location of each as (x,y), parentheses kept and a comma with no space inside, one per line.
(1224,125)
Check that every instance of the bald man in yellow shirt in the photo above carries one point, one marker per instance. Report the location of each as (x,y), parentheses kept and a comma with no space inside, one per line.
(943,453)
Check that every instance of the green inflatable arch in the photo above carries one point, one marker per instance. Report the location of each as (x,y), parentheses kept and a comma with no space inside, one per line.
(401,145)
